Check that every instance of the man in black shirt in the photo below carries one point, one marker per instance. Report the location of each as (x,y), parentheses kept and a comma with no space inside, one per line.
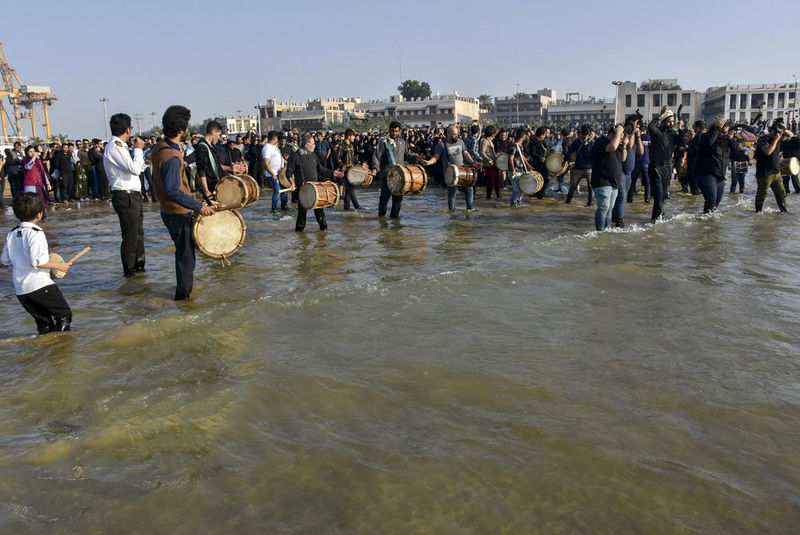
(713,156)
(663,138)
(304,166)
(768,165)
(538,154)
(607,174)
(209,170)
(790,148)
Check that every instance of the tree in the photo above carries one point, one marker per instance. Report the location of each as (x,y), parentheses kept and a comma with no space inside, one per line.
(414,89)
(486,102)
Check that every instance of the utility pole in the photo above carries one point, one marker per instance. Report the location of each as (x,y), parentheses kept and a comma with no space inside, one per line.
(105,115)
(138,117)
(153,117)
(517,95)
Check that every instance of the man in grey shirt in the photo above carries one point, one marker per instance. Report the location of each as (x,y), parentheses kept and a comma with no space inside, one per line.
(390,151)
(455,152)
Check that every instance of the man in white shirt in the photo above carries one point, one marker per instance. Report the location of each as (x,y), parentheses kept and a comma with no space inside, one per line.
(123,172)
(273,162)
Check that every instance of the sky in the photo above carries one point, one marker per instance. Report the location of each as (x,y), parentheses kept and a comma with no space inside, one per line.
(223,57)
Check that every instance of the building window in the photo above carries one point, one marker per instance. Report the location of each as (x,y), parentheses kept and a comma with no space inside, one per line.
(640,101)
(757,100)
(672,99)
(628,100)
(732,104)
(686,99)
(771,100)
(656,100)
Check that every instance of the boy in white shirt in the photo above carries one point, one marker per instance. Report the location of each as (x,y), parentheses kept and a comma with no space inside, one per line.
(26,252)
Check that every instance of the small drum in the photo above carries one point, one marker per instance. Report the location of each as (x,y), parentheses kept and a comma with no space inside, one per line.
(219,235)
(318,195)
(236,192)
(502,162)
(282,180)
(555,164)
(530,183)
(402,179)
(239,168)
(358,176)
(739,167)
(460,175)
(790,166)
(56,273)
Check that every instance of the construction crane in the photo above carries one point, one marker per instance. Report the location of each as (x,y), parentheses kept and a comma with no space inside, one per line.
(24,96)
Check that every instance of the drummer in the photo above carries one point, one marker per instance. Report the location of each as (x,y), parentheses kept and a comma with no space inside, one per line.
(304,166)
(389,151)
(768,165)
(209,171)
(344,158)
(455,152)
(172,190)
(489,156)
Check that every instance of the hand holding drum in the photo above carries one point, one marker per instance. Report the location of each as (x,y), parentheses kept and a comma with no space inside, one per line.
(59,267)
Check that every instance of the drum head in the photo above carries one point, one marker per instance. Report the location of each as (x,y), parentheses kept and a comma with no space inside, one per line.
(56,273)
(219,235)
(395,180)
(231,192)
(307,195)
(555,163)
(356,175)
(529,184)
(451,175)
(794,166)
(284,182)
(502,162)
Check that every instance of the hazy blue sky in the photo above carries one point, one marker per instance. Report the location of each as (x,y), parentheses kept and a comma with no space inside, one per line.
(220,57)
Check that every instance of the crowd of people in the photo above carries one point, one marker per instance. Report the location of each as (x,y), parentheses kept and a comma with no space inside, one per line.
(179,167)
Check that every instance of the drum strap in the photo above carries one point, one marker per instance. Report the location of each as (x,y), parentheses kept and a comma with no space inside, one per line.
(391,152)
(522,157)
(213,160)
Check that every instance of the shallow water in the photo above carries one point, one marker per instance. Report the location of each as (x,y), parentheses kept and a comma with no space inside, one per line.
(502,371)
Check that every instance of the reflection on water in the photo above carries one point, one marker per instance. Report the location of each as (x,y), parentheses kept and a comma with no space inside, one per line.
(500,371)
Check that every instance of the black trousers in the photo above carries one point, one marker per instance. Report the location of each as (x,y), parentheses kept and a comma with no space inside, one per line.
(69,186)
(383,201)
(48,307)
(319,213)
(2,189)
(350,196)
(659,187)
(180,230)
(131,222)
(58,189)
(794,181)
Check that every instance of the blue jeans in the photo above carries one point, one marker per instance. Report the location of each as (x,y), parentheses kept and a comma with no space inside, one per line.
(737,179)
(284,197)
(606,196)
(619,204)
(451,196)
(515,196)
(712,189)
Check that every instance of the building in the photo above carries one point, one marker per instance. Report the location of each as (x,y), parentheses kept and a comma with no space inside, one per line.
(523,108)
(577,110)
(270,113)
(238,125)
(315,114)
(742,103)
(651,95)
(419,112)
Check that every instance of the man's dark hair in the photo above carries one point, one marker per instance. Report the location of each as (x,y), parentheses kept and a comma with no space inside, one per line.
(27,205)
(474,129)
(542,130)
(394,124)
(490,130)
(699,124)
(95,141)
(349,132)
(586,129)
(213,126)
(272,134)
(119,123)
(175,119)
(519,133)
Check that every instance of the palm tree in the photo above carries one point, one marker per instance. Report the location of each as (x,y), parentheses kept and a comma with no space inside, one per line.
(486,102)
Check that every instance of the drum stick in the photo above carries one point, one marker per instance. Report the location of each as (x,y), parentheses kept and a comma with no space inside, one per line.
(77,256)
(284,190)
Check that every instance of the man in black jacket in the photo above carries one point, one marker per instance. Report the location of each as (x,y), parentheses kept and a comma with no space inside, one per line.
(663,139)
(713,155)
(304,166)
(790,148)
(14,167)
(62,161)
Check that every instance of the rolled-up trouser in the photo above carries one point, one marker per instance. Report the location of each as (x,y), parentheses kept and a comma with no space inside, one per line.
(277,195)
(659,187)
(737,179)
(180,230)
(575,179)
(451,196)
(639,170)
(383,201)
(794,181)
(775,182)
(712,189)
(300,224)
(47,306)
(606,197)
(350,196)
(619,204)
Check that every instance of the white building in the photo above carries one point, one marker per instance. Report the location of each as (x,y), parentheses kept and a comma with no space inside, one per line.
(524,108)
(238,125)
(741,103)
(418,112)
(580,110)
(652,95)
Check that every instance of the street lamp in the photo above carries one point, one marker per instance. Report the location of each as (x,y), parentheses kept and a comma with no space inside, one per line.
(105,114)
(517,97)
(617,103)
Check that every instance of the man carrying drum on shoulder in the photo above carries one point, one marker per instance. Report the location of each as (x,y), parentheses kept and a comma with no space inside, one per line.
(389,151)
(456,152)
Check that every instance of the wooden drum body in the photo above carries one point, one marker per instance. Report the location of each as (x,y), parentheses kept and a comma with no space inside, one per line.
(358,176)
(555,164)
(530,183)
(219,235)
(402,179)
(460,175)
(790,166)
(318,195)
(236,191)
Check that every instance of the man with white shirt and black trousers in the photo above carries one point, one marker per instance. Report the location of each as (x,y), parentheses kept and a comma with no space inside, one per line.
(123,167)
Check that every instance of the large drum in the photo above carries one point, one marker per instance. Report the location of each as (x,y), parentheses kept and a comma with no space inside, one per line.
(739,167)
(318,195)
(402,179)
(502,162)
(358,176)
(555,164)
(460,175)
(219,235)
(239,168)
(790,166)
(236,191)
(282,180)
(530,183)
